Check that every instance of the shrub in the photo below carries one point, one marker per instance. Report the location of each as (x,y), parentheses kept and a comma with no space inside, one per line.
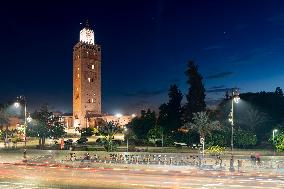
(215,150)
(110,146)
(82,140)
(279,142)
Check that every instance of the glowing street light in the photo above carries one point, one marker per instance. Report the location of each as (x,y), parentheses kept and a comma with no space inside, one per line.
(133,115)
(235,99)
(273,133)
(17,104)
(29,119)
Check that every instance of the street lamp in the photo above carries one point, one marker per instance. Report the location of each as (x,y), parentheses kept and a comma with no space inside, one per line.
(29,119)
(235,99)
(273,133)
(22,99)
(125,133)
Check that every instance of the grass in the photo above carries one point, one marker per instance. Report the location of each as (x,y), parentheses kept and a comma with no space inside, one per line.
(93,146)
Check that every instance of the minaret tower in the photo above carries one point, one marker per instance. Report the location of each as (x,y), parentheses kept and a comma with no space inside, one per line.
(86,78)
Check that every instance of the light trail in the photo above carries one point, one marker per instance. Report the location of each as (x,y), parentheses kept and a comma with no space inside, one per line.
(21,176)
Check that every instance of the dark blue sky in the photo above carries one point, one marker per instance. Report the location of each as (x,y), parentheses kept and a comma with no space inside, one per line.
(145,47)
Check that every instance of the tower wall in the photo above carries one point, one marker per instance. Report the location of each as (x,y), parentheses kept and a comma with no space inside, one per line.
(86,83)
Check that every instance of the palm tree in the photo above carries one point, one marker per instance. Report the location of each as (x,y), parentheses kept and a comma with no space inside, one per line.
(109,130)
(4,122)
(253,119)
(202,124)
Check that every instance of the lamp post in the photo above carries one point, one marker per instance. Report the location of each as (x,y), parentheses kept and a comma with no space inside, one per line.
(162,132)
(273,133)
(125,133)
(235,99)
(22,99)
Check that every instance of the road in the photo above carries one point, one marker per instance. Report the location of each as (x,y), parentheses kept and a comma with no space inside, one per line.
(49,176)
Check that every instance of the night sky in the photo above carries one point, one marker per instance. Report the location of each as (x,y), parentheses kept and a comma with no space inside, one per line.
(145,47)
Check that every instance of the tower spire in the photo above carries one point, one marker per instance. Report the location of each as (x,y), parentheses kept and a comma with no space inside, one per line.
(87,24)
(87,34)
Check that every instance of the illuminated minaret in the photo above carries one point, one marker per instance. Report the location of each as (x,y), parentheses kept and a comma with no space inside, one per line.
(86,78)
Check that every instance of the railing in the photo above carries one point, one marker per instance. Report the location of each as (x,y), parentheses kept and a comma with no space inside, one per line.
(195,161)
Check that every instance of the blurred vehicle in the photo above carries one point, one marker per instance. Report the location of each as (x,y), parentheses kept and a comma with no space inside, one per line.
(179,144)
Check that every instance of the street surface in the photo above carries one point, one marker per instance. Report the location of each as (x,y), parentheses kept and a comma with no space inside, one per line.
(54,176)
(49,169)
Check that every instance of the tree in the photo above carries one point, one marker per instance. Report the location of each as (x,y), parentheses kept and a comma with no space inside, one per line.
(257,112)
(87,132)
(45,125)
(174,109)
(202,124)
(4,117)
(278,142)
(109,130)
(163,116)
(141,125)
(129,134)
(278,91)
(10,135)
(40,128)
(4,122)
(155,133)
(244,139)
(57,129)
(253,119)
(196,92)
(219,137)
(170,113)
(15,139)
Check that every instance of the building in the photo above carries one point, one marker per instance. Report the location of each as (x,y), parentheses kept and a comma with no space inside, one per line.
(118,118)
(68,120)
(87,86)
(13,123)
(86,79)
(121,120)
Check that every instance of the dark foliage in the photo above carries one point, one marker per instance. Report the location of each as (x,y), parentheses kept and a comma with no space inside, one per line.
(196,92)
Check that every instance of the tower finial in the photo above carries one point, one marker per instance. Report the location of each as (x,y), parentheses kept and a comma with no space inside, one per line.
(87,24)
